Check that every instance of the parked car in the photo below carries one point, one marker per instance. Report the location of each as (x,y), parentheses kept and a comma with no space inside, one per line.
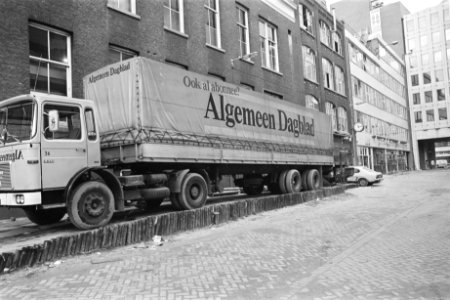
(362,175)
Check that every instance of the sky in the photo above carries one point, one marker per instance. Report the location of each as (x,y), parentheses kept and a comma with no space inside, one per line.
(412,5)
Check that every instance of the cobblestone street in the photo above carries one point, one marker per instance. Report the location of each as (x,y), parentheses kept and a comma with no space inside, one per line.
(388,241)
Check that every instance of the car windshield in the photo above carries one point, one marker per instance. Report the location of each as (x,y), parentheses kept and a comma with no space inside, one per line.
(16,122)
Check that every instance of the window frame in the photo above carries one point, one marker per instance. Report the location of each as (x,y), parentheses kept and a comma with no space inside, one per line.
(325,33)
(121,52)
(245,28)
(328,81)
(115,4)
(309,64)
(216,13)
(170,10)
(48,61)
(312,102)
(266,61)
(340,80)
(306,16)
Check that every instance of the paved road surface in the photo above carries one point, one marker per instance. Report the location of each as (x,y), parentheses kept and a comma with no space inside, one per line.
(390,241)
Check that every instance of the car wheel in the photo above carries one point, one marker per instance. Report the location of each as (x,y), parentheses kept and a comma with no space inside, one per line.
(363,182)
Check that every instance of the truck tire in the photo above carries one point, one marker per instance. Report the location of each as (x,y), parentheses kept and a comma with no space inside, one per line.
(194,191)
(293,181)
(45,216)
(282,182)
(90,205)
(313,179)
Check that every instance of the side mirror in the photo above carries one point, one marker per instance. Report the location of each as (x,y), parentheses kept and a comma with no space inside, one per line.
(53,120)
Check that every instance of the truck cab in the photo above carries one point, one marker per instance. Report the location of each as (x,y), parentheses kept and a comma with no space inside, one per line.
(44,141)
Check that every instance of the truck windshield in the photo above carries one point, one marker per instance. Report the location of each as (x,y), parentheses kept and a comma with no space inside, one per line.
(16,122)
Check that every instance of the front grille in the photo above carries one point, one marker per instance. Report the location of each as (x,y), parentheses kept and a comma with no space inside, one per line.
(5,176)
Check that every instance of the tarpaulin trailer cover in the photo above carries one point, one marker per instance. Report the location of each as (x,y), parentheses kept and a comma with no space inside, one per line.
(150,111)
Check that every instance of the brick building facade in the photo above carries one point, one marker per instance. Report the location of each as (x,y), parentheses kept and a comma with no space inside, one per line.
(49,45)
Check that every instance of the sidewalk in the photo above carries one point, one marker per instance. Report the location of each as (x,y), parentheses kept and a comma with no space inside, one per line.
(389,241)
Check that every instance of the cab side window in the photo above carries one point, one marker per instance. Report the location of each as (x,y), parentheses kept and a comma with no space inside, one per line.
(90,124)
(69,126)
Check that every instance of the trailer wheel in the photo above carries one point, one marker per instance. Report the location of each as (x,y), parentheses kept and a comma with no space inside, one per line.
(253,189)
(91,205)
(282,182)
(44,216)
(313,179)
(193,191)
(293,181)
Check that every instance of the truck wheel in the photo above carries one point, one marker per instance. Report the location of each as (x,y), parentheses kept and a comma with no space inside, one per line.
(193,191)
(363,182)
(282,182)
(313,179)
(175,200)
(44,216)
(90,205)
(293,181)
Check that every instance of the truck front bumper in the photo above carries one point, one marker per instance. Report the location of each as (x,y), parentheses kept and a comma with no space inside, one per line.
(20,199)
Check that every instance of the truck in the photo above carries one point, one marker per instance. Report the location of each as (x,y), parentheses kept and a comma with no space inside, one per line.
(148,132)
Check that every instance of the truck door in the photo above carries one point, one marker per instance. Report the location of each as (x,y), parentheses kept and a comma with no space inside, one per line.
(64,150)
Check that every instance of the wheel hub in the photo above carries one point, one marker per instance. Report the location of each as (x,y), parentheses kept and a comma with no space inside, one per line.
(94,205)
(195,192)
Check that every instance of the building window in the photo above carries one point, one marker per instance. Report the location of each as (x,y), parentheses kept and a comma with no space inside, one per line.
(269,45)
(426,78)
(328,79)
(174,15)
(428,97)
(439,75)
(272,94)
(418,116)
(447,34)
(309,64)
(442,112)
(434,18)
(125,5)
(430,115)
(448,53)
(416,98)
(244,35)
(436,37)
(415,80)
(213,23)
(117,54)
(423,40)
(440,94)
(312,102)
(306,18)
(340,80)
(411,44)
(337,43)
(425,59)
(330,110)
(325,33)
(50,60)
(437,57)
(342,119)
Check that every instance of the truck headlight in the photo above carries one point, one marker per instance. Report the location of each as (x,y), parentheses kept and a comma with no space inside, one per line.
(20,199)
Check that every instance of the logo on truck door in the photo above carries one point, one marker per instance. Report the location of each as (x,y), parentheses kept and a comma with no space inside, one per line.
(11,156)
